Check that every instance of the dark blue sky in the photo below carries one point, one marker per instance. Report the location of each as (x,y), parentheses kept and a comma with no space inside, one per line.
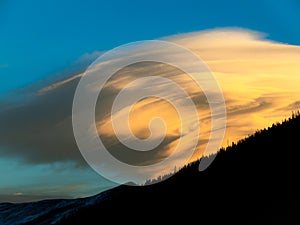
(40,38)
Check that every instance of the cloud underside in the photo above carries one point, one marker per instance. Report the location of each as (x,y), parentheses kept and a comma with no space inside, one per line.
(259,79)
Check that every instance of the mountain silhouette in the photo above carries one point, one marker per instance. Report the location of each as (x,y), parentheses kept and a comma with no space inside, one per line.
(254,181)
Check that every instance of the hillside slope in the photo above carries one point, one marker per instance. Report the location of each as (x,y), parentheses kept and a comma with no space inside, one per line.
(252,182)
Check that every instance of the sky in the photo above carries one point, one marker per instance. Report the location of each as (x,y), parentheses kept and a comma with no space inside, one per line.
(42,38)
(48,42)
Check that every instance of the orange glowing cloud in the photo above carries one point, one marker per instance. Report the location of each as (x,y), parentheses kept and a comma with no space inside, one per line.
(259,78)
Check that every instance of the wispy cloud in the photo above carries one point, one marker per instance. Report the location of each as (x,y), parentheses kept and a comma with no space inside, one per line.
(259,78)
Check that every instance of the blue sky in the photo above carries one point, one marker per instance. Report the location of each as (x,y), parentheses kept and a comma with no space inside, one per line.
(42,39)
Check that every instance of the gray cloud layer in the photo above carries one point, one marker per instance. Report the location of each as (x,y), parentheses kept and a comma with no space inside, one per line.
(40,130)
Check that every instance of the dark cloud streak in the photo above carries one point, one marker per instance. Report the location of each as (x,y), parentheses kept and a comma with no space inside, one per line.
(40,131)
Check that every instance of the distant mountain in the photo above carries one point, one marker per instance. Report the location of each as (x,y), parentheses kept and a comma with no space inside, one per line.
(254,181)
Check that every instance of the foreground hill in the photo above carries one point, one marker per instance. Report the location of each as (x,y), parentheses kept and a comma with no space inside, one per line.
(253,182)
